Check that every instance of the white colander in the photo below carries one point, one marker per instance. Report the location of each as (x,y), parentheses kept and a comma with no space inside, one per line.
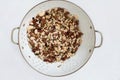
(71,65)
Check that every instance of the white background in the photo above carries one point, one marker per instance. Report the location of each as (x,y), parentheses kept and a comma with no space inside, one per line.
(104,63)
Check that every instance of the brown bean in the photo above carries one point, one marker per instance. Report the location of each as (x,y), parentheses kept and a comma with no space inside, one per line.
(64,57)
(60,9)
(43,21)
(79,34)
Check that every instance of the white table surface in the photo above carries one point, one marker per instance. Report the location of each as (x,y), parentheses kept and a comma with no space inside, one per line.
(104,63)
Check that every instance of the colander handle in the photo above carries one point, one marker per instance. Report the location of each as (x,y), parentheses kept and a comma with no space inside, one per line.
(97,46)
(12,38)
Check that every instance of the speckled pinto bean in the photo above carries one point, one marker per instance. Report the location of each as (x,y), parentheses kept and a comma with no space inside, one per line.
(54,35)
